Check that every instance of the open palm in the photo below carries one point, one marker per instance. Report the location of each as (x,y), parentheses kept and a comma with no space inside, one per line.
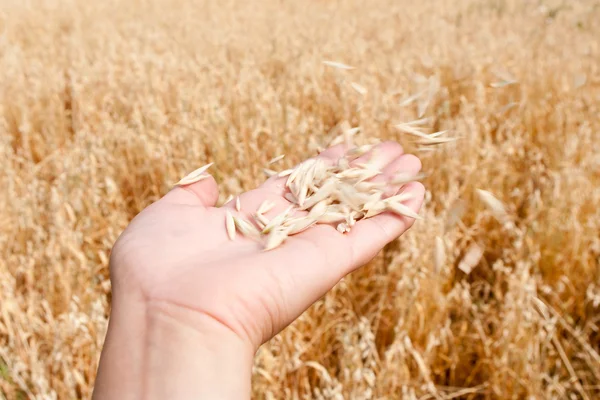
(177,252)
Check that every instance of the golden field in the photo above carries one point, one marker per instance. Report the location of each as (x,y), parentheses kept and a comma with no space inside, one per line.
(104,105)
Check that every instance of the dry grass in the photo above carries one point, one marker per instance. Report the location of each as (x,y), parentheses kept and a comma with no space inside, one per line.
(104,105)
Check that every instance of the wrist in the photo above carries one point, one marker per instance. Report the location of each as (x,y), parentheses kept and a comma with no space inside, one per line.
(160,350)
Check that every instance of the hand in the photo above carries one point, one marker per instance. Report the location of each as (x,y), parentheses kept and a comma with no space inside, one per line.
(176,263)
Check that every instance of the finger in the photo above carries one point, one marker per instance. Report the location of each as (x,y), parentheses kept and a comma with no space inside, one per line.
(276,184)
(339,254)
(370,235)
(381,155)
(364,246)
(202,193)
(333,153)
(406,164)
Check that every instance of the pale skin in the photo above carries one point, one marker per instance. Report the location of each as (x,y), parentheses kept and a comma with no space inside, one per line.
(191,307)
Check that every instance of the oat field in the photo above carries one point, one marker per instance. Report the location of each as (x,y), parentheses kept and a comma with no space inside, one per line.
(104,105)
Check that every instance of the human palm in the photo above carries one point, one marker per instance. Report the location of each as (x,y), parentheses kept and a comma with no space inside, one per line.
(177,252)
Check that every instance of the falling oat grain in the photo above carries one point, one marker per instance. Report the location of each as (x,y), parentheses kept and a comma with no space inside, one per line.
(230,225)
(338,65)
(194,176)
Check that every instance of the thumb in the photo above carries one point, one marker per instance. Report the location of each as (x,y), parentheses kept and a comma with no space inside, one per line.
(204,192)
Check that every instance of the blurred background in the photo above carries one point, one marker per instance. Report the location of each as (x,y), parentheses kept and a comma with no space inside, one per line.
(104,105)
